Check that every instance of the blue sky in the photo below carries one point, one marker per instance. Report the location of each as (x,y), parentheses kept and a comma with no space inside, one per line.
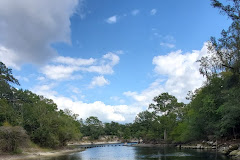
(107,58)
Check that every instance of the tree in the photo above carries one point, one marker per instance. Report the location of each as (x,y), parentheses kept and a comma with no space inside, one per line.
(168,106)
(93,127)
(223,63)
(146,126)
(112,128)
(6,77)
(165,104)
(6,74)
(224,53)
(6,112)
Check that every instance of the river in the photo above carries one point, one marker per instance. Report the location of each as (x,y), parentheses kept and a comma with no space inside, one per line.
(120,152)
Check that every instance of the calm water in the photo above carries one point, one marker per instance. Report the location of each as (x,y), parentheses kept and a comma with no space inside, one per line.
(140,153)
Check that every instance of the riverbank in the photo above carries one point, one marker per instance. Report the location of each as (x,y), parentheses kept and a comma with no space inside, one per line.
(36,154)
(93,143)
(152,145)
(229,148)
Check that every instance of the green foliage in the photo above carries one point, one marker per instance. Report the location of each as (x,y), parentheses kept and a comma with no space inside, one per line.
(6,74)
(181,133)
(93,127)
(224,52)
(170,109)
(39,116)
(113,129)
(127,133)
(165,103)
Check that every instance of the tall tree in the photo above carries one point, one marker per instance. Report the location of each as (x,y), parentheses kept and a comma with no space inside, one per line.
(223,63)
(224,53)
(93,127)
(168,106)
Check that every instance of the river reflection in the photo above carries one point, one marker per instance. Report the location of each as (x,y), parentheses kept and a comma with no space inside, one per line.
(112,152)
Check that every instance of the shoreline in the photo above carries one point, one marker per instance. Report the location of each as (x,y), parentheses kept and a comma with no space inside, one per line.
(31,153)
(230,150)
(93,143)
(40,154)
(152,145)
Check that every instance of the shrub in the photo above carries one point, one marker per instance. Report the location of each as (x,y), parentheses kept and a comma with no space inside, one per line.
(11,138)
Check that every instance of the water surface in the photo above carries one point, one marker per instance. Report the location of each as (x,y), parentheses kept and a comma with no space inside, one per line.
(116,152)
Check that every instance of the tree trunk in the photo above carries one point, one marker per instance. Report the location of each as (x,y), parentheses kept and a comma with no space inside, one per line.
(165,135)
(234,134)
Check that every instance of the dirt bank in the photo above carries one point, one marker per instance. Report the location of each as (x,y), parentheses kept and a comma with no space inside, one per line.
(38,154)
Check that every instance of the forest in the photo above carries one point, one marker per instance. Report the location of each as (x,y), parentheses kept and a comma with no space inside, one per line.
(212,112)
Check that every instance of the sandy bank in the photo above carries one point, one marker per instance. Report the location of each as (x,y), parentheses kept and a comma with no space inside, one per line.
(39,154)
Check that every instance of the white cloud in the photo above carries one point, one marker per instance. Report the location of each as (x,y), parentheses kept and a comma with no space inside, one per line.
(168,45)
(114,59)
(135,95)
(112,20)
(74,61)
(63,68)
(153,12)
(106,113)
(8,57)
(60,72)
(105,64)
(135,12)
(99,81)
(28,28)
(181,72)
(100,69)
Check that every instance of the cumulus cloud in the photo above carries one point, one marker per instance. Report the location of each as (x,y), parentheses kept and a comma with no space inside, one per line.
(63,68)
(112,19)
(99,81)
(135,12)
(114,59)
(59,72)
(177,72)
(153,12)
(106,113)
(28,28)
(105,64)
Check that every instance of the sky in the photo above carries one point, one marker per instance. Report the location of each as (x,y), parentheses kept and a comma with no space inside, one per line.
(107,58)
